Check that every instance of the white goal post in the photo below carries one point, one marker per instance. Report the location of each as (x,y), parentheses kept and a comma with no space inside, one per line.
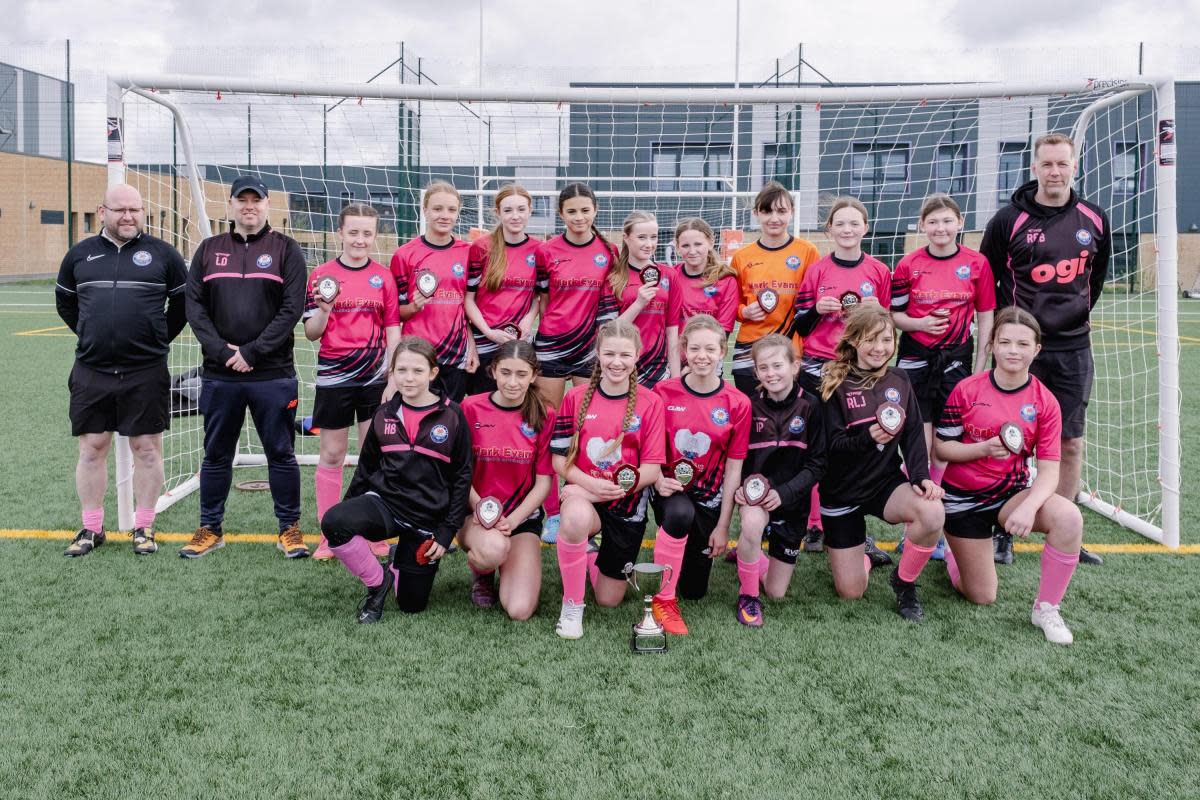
(692,151)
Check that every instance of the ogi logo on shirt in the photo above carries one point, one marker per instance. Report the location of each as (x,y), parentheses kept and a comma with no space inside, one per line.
(439,433)
(141,258)
(528,430)
(720,416)
(796,425)
(792,262)
(376,282)
(635,424)
(1028,412)
(892,394)
(264,261)
(963,272)
(600,260)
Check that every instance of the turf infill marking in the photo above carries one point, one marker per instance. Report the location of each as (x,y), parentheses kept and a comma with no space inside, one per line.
(270,538)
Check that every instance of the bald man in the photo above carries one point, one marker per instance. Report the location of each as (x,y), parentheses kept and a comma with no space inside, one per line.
(122,293)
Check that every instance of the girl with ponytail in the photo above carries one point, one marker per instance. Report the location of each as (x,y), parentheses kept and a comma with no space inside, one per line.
(511,428)
(501,275)
(601,428)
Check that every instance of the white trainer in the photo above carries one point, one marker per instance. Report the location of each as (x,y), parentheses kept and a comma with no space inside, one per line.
(570,621)
(1046,617)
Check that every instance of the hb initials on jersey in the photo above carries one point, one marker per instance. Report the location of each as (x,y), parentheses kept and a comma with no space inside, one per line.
(1065,271)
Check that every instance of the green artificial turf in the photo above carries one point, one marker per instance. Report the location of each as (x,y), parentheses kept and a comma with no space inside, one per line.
(244,675)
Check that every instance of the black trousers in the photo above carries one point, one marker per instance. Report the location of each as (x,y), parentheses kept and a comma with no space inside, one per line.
(369,517)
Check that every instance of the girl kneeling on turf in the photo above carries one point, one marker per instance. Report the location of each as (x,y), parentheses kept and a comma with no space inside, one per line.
(787,447)
(863,473)
(511,429)
(358,329)
(601,427)
(412,481)
(993,422)
(707,426)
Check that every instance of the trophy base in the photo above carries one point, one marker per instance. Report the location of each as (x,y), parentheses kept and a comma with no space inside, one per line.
(643,643)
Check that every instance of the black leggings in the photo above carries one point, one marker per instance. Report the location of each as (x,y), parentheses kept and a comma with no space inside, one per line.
(679,516)
(367,516)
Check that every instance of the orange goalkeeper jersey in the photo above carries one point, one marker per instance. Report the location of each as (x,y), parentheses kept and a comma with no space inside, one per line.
(779,268)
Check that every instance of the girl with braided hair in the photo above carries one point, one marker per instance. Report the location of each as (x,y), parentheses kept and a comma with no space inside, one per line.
(602,428)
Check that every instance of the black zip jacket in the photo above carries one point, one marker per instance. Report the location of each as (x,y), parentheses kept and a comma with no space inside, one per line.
(113,298)
(247,292)
(857,468)
(425,482)
(787,444)
(1052,262)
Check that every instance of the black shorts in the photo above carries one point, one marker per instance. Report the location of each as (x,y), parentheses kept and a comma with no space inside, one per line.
(968,517)
(451,382)
(340,406)
(846,525)
(809,376)
(620,541)
(579,367)
(934,373)
(136,403)
(785,535)
(681,514)
(532,524)
(1068,374)
(481,380)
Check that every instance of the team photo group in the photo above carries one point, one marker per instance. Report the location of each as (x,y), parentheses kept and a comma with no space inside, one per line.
(512,391)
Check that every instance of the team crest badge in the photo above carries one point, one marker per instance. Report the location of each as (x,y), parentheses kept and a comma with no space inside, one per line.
(867,289)
(635,424)
(264,261)
(530,260)
(793,262)
(528,430)
(375,281)
(892,395)
(600,260)
(720,416)
(141,258)
(1084,237)
(796,425)
(458,270)
(439,433)
(710,291)
(1028,412)
(963,272)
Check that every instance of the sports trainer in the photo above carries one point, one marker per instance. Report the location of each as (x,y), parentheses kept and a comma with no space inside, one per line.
(245,294)
(1049,251)
(122,293)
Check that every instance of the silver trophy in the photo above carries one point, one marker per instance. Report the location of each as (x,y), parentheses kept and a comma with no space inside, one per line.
(648,635)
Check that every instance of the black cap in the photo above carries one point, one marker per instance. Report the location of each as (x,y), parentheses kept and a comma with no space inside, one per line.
(248,183)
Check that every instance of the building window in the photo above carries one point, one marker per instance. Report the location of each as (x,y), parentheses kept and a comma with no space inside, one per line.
(952,169)
(385,204)
(1012,169)
(89,222)
(1126,168)
(684,168)
(307,212)
(54,218)
(879,169)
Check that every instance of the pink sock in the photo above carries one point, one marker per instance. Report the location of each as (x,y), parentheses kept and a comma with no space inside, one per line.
(952,569)
(669,550)
(913,560)
(749,574)
(572,568)
(329,489)
(593,570)
(936,471)
(764,564)
(143,517)
(551,503)
(93,519)
(814,509)
(1057,569)
(358,558)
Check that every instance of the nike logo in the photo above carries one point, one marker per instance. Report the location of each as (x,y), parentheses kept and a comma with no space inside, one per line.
(93,258)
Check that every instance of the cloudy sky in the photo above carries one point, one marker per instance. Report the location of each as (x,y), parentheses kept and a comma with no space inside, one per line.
(550,42)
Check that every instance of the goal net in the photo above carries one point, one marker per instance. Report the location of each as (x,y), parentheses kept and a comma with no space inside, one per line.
(677,152)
